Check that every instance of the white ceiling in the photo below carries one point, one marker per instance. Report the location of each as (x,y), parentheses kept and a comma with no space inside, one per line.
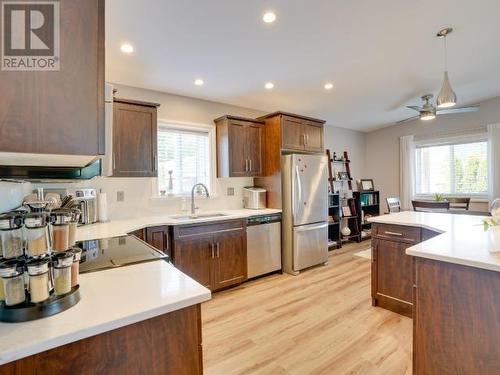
(381,55)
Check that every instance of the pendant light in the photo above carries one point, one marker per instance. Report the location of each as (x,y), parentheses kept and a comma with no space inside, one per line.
(446,97)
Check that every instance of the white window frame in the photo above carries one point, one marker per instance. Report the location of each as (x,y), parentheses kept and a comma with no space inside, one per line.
(196,127)
(454,140)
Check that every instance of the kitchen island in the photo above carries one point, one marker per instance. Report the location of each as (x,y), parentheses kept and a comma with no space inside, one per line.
(444,271)
(138,319)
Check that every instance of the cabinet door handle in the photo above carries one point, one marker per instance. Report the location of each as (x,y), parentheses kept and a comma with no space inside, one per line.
(246,165)
(307,139)
(250,165)
(114,161)
(212,245)
(393,233)
(218,250)
(304,139)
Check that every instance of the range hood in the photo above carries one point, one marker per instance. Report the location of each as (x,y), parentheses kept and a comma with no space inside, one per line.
(48,166)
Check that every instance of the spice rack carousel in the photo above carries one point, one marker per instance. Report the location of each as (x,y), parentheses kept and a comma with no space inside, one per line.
(27,311)
(39,263)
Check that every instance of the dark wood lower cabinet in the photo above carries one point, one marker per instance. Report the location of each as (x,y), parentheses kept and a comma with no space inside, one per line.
(158,237)
(392,269)
(167,344)
(212,254)
(456,320)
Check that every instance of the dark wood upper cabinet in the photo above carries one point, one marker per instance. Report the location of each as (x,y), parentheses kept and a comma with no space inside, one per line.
(296,132)
(292,134)
(60,112)
(134,138)
(239,146)
(215,254)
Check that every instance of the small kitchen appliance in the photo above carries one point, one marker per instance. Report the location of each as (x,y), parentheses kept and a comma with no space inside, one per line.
(254,198)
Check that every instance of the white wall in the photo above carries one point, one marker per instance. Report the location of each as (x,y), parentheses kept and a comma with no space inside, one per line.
(382,146)
(340,139)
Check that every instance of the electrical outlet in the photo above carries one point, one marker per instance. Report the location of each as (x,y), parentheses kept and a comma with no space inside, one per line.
(120,196)
(230,191)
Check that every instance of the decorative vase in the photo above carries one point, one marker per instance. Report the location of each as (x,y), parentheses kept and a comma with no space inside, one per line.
(345,231)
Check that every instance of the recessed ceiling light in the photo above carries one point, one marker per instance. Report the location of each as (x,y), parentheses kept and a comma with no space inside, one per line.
(198,82)
(127,48)
(269,85)
(328,86)
(269,17)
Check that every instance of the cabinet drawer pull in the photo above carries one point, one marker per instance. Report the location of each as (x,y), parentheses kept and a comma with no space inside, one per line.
(218,250)
(212,245)
(393,233)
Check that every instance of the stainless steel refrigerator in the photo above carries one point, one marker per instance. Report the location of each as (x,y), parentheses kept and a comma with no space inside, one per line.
(305,211)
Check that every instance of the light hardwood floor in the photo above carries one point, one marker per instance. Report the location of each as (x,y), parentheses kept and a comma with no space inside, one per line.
(320,322)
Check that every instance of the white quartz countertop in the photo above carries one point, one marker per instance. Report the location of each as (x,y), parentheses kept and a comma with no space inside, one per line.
(110,299)
(462,239)
(121,227)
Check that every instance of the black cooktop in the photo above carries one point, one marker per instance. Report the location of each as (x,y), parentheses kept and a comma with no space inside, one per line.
(115,252)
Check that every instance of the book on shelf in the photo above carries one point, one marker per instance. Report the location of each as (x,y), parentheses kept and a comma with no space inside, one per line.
(368,199)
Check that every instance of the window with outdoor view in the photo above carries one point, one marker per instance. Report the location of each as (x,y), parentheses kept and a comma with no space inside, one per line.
(452,169)
(183,159)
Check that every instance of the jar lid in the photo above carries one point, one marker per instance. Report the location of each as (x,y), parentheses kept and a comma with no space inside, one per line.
(11,220)
(35,220)
(38,266)
(77,254)
(75,215)
(60,216)
(12,267)
(64,259)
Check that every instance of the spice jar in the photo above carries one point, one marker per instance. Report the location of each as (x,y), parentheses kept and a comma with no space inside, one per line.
(62,263)
(12,274)
(38,272)
(73,223)
(60,229)
(75,266)
(37,234)
(11,235)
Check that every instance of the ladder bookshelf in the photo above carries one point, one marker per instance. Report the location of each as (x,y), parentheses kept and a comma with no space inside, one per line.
(341,197)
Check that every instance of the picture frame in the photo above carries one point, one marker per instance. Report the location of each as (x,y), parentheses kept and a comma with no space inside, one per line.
(346,211)
(367,184)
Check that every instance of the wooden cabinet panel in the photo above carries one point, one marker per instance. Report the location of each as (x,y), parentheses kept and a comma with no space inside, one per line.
(158,237)
(134,140)
(140,234)
(457,319)
(239,146)
(292,134)
(253,147)
(230,264)
(395,279)
(314,136)
(166,344)
(194,257)
(212,254)
(237,150)
(392,268)
(60,112)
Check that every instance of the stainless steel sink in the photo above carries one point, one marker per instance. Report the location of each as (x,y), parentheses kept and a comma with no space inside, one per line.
(197,217)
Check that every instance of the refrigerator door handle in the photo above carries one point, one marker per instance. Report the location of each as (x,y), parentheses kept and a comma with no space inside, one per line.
(299,191)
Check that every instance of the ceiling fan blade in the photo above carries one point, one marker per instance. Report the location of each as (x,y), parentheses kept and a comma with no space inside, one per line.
(414,107)
(446,111)
(408,119)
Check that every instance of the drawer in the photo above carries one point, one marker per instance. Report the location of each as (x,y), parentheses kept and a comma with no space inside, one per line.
(190,230)
(399,233)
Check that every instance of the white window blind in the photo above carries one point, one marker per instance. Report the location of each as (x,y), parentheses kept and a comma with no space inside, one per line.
(183,159)
(453,168)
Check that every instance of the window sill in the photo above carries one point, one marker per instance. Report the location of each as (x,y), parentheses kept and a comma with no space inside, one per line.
(179,197)
(473,198)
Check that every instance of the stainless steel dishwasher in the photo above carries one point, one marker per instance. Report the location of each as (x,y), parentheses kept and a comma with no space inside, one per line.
(263,244)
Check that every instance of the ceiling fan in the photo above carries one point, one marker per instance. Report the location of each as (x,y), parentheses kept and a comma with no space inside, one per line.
(446,97)
(428,111)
